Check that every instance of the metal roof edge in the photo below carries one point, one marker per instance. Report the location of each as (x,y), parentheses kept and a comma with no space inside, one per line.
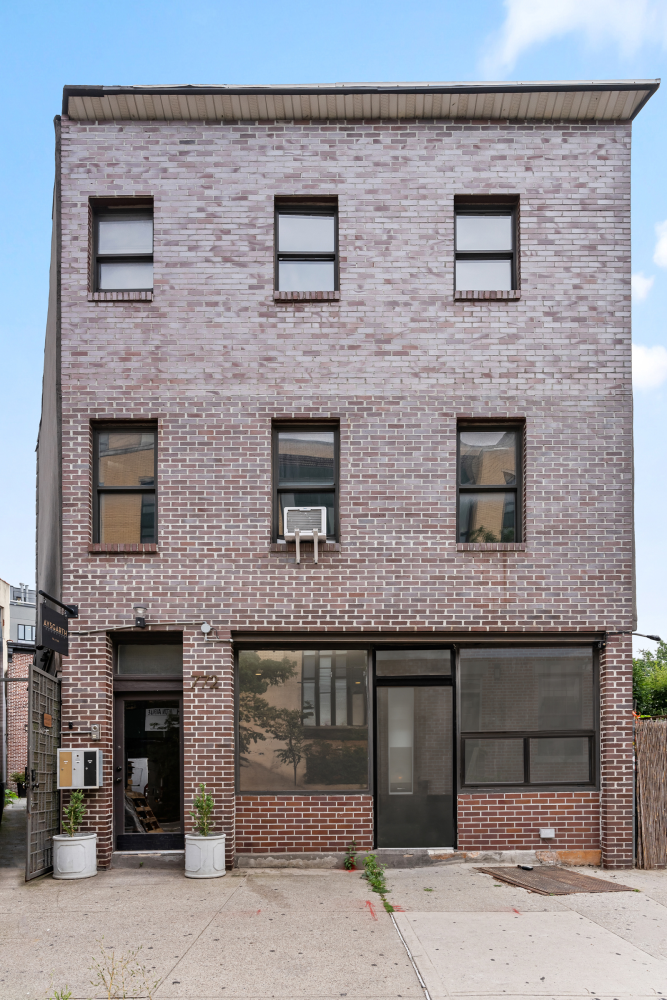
(547,86)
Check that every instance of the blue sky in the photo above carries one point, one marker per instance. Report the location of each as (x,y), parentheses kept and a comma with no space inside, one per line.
(45,45)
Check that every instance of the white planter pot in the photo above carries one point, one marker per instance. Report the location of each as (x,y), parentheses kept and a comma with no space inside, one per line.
(74,857)
(204,856)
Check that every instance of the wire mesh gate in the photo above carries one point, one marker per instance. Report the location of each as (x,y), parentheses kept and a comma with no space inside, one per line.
(43,797)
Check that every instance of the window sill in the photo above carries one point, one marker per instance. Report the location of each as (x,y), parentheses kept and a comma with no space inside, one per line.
(120,296)
(490,546)
(306,296)
(144,548)
(285,547)
(511,296)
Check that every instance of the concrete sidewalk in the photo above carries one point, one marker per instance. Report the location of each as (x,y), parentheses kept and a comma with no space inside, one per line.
(321,934)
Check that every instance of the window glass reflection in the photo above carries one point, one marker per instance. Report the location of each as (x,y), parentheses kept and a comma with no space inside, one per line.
(306,456)
(125,236)
(491,761)
(302,720)
(125,276)
(487,517)
(306,499)
(126,458)
(488,458)
(127,517)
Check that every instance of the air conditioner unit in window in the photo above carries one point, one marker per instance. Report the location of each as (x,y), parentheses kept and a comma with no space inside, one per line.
(305,523)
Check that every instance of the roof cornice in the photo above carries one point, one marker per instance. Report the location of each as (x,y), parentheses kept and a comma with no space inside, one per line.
(569,100)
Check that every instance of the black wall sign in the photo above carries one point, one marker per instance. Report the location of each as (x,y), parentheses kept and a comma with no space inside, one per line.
(54,630)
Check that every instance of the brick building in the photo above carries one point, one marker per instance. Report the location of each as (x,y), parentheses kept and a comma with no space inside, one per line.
(398,316)
(21,651)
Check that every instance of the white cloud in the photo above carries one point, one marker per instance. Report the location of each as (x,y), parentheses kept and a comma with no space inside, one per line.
(628,24)
(649,366)
(641,286)
(660,255)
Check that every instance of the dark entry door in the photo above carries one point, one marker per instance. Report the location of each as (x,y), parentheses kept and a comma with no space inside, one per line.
(148,772)
(414,753)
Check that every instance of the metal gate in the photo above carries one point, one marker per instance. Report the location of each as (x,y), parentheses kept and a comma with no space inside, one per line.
(43,797)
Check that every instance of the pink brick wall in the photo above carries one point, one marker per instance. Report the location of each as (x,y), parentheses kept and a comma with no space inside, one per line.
(213,359)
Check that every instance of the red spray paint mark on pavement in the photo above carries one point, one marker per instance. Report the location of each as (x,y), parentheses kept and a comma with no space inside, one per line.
(370,907)
(258,912)
(399,909)
(514,910)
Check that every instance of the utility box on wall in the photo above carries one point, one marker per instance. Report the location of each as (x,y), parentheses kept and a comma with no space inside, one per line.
(80,768)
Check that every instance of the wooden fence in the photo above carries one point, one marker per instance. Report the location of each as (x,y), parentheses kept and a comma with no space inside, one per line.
(651,747)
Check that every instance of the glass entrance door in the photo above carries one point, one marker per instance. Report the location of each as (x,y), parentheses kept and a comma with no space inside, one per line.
(415,765)
(148,773)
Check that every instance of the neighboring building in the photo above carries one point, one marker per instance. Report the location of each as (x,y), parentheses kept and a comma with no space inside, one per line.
(403,310)
(21,652)
(4,632)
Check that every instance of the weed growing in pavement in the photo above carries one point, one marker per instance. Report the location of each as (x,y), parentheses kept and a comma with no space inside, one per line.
(350,862)
(374,875)
(64,994)
(122,977)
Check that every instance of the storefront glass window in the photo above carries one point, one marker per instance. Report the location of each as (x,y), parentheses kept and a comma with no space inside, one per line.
(527,716)
(303,720)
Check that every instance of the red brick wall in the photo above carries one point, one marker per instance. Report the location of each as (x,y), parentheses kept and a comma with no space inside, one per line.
(213,359)
(17,716)
(512,820)
(293,823)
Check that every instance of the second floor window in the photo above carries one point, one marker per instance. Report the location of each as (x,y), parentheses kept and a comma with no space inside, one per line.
(306,242)
(489,483)
(124,484)
(305,461)
(123,247)
(485,248)
(25,633)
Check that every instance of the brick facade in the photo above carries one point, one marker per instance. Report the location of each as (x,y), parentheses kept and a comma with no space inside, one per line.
(17,715)
(213,358)
(314,823)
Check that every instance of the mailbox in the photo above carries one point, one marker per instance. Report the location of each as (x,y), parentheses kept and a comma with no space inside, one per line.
(80,768)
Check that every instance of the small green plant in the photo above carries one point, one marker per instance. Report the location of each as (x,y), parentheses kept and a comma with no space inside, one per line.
(374,875)
(350,862)
(10,796)
(203,807)
(18,777)
(120,977)
(428,890)
(64,994)
(74,812)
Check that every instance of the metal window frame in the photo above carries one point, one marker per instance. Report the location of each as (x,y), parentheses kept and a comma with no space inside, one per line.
(593,734)
(139,207)
(370,724)
(481,207)
(517,425)
(305,207)
(137,427)
(279,488)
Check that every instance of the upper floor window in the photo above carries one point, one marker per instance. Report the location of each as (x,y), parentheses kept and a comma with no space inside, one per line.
(489,483)
(25,633)
(306,242)
(124,484)
(305,461)
(123,247)
(485,248)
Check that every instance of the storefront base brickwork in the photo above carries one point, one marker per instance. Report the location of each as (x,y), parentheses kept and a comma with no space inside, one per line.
(502,821)
(303,823)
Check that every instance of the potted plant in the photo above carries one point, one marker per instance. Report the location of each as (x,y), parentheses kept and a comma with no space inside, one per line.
(204,850)
(18,777)
(74,853)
